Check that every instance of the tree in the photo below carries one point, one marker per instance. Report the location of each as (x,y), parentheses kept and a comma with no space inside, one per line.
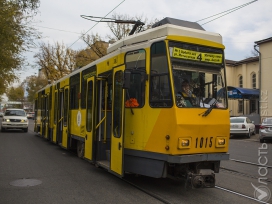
(120,30)
(16,36)
(96,49)
(55,61)
(33,84)
(16,93)
(253,53)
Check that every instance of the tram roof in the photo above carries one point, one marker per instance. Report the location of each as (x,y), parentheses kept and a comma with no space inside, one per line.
(181,28)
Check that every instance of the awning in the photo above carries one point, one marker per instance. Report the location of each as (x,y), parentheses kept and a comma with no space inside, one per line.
(242,93)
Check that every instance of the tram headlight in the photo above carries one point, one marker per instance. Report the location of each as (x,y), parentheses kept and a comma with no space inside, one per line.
(220,142)
(184,143)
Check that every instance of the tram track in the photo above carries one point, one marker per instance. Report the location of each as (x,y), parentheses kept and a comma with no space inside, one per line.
(153,195)
(251,163)
(235,172)
(159,198)
(165,201)
(239,194)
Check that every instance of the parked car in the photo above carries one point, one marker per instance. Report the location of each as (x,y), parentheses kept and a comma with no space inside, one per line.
(266,130)
(14,119)
(242,126)
(1,114)
(30,115)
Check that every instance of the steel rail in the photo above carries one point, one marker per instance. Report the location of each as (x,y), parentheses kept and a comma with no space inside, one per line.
(147,192)
(240,194)
(251,163)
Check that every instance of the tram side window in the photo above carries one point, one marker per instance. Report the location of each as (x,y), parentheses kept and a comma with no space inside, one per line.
(84,76)
(160,94)
(135,95)
(117,104)
(65,108)
(39,105)
(136,62)
(50,103)
(74,91)
(55,107)
(89,106)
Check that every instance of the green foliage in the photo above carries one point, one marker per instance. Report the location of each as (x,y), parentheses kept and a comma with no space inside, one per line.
(55,61)
(15,37)
(15,93)
(33,84)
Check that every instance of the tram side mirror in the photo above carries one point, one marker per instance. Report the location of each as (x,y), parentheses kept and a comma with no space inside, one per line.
(126,81)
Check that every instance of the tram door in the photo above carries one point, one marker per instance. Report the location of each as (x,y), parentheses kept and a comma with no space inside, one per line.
(90,115)
(117,137)
(55,126)
(46,132)
(60,116)
(44,118)
(65,122)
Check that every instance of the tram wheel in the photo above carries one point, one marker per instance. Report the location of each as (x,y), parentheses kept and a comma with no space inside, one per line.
(80,149)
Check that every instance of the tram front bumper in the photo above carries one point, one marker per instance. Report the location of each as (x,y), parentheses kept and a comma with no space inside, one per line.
(197,158)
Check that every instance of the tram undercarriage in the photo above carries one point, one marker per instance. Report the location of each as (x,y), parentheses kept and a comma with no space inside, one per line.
(196,174)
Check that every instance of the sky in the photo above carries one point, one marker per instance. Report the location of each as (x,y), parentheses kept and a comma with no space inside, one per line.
(60,21)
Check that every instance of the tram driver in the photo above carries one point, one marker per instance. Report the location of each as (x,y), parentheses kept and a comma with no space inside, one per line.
(186,98)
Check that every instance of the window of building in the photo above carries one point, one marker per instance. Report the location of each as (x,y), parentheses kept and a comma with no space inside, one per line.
(252,106)
(240,106)
(241,81)
(254,81)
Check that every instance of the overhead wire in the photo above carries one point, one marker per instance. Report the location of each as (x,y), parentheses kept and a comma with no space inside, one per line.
(97,23)
(228,12)
(56,29)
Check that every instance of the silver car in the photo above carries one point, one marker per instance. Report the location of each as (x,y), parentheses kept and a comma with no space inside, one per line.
(266,130)
(242,126)
(14,119)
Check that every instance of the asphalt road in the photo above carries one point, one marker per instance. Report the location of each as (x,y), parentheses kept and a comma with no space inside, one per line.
(33,170)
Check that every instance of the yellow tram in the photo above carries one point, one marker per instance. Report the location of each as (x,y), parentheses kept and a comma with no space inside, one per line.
(127,112)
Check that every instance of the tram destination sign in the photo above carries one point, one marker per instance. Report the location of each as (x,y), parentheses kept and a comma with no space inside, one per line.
(197,56)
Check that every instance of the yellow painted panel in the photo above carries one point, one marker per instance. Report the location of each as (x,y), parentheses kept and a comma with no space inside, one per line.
(186,123)
(195,41)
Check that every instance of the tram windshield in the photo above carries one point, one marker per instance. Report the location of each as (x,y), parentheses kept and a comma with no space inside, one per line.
(198,81)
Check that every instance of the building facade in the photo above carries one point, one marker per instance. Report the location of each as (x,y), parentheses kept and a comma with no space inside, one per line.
(253,73)
(265,51)
(243,74)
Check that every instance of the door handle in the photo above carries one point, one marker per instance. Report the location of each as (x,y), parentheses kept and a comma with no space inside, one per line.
(119,146)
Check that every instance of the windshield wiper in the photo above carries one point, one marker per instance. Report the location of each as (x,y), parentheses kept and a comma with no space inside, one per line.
(209,110)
